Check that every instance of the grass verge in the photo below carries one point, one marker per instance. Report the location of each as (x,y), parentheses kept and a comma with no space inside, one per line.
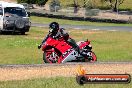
(58,82)
(62,21)
(22,49)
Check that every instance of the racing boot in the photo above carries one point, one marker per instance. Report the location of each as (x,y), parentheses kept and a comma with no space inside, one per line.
(86,54)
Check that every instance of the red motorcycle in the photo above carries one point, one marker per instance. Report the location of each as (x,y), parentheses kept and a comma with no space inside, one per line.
(59,51)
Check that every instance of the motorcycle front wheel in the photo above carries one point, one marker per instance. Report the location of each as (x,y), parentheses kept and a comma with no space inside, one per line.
(50,56)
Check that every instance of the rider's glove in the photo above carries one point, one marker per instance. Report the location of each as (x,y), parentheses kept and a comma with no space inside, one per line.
(39,46)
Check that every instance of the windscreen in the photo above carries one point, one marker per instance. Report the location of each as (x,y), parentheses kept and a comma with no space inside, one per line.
(15,10)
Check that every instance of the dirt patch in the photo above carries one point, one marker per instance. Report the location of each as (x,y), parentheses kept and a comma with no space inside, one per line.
(113,15)
(22,73)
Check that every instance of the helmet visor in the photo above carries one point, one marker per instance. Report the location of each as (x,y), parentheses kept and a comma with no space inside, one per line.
(50,30)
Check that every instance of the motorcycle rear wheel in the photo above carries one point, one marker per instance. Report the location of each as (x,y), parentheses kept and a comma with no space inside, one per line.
(91,58)
(94,57)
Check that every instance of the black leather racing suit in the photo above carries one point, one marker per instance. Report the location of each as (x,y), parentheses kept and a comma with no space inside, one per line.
(61,33)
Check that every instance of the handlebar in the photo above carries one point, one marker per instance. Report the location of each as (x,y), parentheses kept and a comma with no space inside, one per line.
(39,46)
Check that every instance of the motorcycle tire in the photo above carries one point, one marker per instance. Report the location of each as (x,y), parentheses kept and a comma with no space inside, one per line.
(91,58)
(44,58)
(94,57)
(48,56)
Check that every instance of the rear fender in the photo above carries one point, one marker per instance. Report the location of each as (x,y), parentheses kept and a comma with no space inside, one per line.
(83,44)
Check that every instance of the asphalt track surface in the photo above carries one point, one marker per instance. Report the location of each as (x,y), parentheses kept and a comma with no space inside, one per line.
(107,28)
(64,64)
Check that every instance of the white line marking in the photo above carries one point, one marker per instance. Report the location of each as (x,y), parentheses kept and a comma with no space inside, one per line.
(95,29)
(112,30)
(77,28)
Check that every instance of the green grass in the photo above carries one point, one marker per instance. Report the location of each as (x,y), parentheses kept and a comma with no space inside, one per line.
(22,49)
(62,21)
(126,5)
(58,82)
(109,46)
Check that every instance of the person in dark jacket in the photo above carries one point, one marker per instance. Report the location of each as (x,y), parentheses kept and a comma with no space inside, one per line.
(56,32)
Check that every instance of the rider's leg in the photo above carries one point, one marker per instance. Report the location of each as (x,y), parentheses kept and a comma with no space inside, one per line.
(72,42)
(76,47)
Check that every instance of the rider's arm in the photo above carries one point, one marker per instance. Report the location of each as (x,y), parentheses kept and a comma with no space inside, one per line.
(43,41)
(64,33)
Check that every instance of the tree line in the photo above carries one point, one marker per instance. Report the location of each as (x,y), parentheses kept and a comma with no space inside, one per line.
(112,4)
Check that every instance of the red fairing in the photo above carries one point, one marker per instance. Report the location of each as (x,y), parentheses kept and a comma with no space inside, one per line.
(63,46)
(50,42)
(58,44)
(83,44)
(59,51)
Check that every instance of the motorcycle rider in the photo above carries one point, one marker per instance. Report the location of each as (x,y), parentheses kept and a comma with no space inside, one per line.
(56,32)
